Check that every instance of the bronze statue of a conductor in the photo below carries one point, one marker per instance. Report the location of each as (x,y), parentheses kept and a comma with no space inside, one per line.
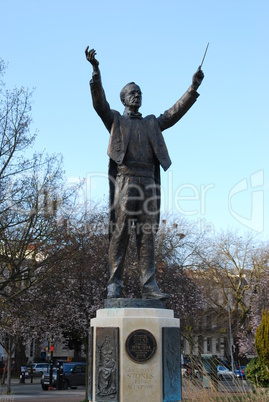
(136,151)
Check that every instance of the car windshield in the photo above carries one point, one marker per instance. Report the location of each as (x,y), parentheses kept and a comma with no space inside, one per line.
(221,368)
(68,367)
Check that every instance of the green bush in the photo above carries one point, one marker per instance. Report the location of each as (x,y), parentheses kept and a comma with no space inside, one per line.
(262,338)
(257,371)
(257,374)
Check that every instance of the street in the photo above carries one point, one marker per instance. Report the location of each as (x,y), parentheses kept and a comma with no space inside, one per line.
(33,392)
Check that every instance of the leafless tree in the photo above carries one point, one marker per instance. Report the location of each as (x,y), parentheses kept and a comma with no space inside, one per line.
(33,202)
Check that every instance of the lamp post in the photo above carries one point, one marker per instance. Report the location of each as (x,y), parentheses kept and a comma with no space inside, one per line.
(51,362)
(231,337)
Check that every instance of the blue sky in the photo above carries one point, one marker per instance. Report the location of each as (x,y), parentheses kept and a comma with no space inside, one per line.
(219,150)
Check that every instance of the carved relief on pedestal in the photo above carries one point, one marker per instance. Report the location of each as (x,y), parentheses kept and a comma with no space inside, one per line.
(107,365)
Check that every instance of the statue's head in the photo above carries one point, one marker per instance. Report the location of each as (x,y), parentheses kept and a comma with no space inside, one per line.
(131,96)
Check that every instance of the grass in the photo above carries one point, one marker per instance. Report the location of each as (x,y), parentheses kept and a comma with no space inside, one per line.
(222,392)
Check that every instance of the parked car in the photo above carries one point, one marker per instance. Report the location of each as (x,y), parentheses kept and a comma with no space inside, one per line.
(74,374)
(39,369)
(45,379)
(224,373)
(240,372)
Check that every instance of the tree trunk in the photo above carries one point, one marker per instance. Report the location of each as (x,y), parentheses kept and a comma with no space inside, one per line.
(9,365)
(7,368)
(20,356)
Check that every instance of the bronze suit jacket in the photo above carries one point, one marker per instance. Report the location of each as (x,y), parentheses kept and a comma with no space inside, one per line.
(119,127)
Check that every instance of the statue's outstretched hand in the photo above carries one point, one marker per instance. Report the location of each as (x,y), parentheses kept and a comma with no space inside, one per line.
(197,78)
(90,56)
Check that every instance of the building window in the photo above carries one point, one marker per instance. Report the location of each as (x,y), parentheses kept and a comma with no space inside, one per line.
(208,342)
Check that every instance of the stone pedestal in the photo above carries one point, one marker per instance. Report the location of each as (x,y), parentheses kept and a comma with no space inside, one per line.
(135,355)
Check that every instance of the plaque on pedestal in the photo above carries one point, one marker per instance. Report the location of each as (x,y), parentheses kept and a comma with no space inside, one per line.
(141,345)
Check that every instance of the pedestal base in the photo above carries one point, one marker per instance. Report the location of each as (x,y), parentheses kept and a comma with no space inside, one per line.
(136,355)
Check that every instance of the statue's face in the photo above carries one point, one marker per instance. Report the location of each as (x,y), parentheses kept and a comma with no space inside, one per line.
(133,97)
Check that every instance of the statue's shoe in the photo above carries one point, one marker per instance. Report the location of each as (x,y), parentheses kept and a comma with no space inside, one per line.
(154,293)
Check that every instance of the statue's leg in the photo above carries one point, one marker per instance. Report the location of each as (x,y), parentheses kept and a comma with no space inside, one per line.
(117,251)
(123,205)
(145,239)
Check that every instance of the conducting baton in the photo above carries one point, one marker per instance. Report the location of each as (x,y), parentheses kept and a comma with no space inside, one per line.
(204,56)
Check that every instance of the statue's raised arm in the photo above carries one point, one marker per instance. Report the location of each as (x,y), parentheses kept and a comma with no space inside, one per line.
(90,56)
